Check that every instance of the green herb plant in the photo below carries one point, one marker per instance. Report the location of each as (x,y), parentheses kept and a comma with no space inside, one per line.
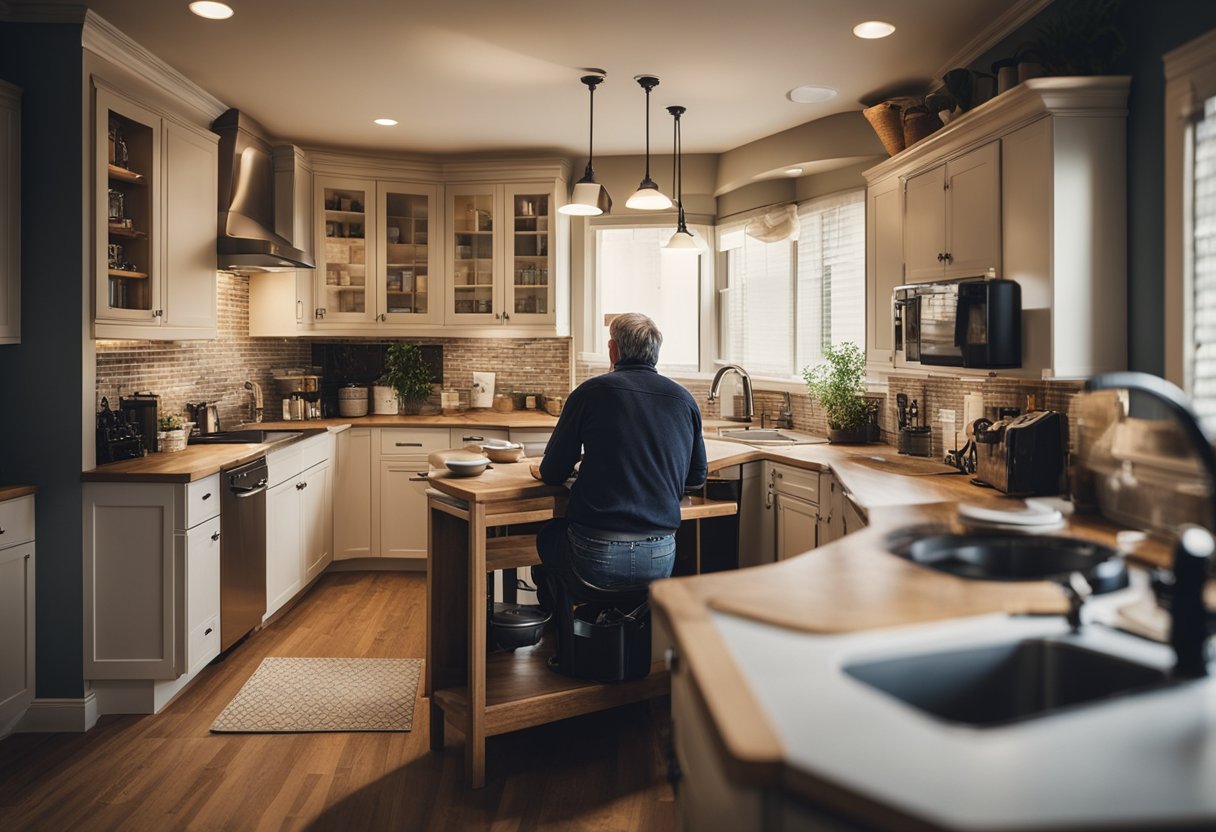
(407,373)
(837,385)
(169,422)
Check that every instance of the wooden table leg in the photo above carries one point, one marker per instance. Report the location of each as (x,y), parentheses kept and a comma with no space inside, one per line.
(475,733)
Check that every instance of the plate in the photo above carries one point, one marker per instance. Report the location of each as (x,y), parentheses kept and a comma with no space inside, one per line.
(1032,517)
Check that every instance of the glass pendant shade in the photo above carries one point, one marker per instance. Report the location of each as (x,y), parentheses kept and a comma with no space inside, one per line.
(648,197)
(589,198)
(682,241)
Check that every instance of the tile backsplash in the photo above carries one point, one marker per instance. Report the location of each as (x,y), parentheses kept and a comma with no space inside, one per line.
(215,371)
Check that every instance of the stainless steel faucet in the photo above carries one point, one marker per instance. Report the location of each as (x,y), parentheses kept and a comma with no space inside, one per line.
(1195,547)
(749,404)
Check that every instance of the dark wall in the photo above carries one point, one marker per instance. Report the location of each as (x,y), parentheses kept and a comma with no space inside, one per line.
(40,429)
(1150,28)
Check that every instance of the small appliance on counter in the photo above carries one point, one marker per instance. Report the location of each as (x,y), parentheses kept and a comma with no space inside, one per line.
(142,409)
(1023,455)
(299,388)
(914,439)
(205,416)
(118,437)
(384,401)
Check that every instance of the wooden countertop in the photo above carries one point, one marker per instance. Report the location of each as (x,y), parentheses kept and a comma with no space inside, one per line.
(12,492)
(480,418)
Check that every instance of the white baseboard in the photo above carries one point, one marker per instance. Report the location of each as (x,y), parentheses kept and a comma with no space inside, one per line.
(57,716)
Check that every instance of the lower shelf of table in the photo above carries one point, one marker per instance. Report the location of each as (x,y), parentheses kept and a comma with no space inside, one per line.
(521,691)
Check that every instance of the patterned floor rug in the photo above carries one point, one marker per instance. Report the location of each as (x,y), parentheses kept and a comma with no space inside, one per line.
(302,695)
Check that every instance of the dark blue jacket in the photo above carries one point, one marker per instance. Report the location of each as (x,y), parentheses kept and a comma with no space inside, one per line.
(640,439)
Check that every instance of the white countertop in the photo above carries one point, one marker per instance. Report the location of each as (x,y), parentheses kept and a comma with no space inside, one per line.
(1146,759)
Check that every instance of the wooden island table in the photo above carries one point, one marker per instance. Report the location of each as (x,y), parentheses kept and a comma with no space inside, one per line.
(470,535)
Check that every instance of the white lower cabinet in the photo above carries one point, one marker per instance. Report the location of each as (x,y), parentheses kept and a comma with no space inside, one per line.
(151,587)
(299,519)
(797,524)
(16,610)
(403,521)
(353,493)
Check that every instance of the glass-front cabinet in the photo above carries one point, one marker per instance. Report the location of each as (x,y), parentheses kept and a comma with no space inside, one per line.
(501,251)
(407,278)
(376,263)
(529,289)
(128,174)
(472,214)
(346,215)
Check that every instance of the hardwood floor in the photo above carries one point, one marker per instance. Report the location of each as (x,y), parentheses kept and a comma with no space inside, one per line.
(601,772)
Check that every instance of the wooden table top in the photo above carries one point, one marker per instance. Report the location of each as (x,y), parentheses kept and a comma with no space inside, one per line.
(12,492)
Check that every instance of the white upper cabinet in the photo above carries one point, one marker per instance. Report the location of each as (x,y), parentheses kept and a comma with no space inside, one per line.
(1033,185)
(345,282)
(952,217)
(155,202)
(408,273)
(10,214)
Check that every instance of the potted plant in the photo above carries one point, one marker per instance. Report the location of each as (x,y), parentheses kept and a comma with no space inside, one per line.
(408,375)
(837,385)
(170,434)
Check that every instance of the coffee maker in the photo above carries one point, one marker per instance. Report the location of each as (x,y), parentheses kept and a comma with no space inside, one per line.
(141,409)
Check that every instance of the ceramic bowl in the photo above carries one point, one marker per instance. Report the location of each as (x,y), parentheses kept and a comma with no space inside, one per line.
(467,467)
(504,455)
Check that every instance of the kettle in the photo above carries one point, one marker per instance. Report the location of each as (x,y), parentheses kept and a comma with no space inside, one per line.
(205,416)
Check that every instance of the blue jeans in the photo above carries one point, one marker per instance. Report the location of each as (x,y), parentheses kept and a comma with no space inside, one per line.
(614,563)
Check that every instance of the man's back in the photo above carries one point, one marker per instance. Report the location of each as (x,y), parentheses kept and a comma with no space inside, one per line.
(640,435)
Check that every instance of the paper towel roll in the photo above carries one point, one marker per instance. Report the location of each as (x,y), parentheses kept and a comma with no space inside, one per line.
(973,408)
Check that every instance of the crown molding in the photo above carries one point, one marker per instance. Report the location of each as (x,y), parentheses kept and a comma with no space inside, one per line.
(107,42)
(1001,27)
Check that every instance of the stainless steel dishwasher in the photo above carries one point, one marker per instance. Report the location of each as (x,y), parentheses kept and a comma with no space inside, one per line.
(242,551)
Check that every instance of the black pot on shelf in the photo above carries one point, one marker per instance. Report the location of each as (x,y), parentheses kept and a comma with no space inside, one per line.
(850,436)
(517,625)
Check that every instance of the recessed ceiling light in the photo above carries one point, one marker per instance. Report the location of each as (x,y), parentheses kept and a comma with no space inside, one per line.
(211,10)
(386,122)
(872,29)
(810,94)
(793,171)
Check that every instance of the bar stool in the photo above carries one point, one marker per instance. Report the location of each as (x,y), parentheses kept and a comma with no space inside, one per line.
(603,634)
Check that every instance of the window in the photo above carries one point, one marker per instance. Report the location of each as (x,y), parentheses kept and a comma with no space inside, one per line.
(1190,222)
(635,274)
(786,300)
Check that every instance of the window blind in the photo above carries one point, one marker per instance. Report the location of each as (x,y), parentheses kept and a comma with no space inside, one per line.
(1203,299)
(831,274)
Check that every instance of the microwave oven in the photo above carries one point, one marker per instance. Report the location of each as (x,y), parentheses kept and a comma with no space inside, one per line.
(975,323)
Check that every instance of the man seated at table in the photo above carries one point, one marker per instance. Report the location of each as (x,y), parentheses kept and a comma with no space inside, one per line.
(639,435)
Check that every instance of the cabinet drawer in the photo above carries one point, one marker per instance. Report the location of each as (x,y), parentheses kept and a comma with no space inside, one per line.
(204,644)
(16,521)
(284,464)
(796,483)
(202,500)
(316,449)
(413,441)
(466,435)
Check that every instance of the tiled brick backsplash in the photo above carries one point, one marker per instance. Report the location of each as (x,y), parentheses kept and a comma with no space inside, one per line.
(932,395)
(216,371)
(196,371)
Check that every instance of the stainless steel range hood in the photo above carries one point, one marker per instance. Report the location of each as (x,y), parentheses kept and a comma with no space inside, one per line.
(247,240)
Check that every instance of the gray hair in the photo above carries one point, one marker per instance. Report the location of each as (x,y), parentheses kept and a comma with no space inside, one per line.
(637,338)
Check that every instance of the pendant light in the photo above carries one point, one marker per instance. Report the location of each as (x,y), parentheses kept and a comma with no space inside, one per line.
(589,197)
(648,197)
(682,240)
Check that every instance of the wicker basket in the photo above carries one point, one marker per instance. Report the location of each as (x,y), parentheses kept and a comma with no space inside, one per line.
(885,119)
(919,123)
(171,441)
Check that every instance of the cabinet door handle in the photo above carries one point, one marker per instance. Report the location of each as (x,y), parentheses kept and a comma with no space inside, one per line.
(409,444)
(1,530)
(948,257)
(319,312)
(300,486)
(497,317)
(472,439)
(207,496)
(208,631)
(158,313)
(940,257)
(505,316)
(215,535)
(421,477)
(382,317)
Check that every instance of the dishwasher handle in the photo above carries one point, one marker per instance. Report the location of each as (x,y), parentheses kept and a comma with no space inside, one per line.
(241,492)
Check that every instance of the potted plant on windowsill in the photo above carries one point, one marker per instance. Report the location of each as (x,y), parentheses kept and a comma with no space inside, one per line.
(408,374)
(837,385)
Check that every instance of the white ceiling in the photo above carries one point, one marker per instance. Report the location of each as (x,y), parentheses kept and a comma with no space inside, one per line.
(489,75)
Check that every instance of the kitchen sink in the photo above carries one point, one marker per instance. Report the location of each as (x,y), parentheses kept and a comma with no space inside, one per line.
(240,437)
(769,436)
(995,684)
(1014,557)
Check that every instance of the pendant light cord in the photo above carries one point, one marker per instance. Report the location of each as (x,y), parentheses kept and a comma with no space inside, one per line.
(590,130)
(648,133)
